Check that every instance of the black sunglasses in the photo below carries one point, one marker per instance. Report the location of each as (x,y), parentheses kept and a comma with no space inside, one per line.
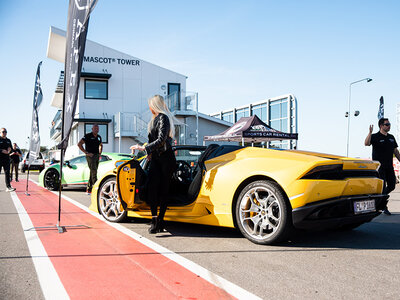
(4,131)
(386,124)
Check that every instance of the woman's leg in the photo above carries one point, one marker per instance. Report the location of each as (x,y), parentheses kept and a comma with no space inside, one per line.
(168,168)
(153,183)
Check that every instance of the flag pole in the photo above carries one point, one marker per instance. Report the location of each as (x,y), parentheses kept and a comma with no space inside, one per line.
(27,181)
(60,228)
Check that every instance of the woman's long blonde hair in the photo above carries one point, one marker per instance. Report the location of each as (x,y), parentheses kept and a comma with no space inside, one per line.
(158,105)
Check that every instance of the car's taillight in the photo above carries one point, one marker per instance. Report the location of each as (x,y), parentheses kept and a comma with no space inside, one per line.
(324,172)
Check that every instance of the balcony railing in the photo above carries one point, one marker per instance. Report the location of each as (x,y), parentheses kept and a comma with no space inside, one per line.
(182,102)
(129,124)
(56,125)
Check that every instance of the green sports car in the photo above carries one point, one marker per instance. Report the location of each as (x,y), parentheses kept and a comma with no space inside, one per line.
(76,171)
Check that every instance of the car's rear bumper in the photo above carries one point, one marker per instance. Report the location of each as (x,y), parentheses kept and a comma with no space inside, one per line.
(336,212)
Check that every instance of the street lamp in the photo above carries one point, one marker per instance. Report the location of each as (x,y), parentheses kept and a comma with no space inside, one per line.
(355,114)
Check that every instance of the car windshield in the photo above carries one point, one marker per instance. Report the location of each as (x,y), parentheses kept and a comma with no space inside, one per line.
(189,156)
(77,160)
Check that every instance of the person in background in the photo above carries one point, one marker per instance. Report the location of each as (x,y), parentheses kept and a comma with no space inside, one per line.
(94,147)
(384,146)
(5,149)
(162,160)
(15,158)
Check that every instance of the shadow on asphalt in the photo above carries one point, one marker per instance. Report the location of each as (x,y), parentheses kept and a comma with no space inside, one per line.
(383,233)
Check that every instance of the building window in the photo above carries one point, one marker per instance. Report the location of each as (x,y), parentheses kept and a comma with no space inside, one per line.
(279,115)
(261,111)
(103,131)
(243,112)
(228,116)
(96,89)
(174,96)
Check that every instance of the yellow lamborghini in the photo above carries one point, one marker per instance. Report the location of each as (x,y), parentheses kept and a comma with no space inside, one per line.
(265,193)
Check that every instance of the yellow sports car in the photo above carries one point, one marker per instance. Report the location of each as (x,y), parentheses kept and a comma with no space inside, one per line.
(265,193)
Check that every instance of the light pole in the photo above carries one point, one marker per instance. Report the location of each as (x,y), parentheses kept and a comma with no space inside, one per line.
(348,112)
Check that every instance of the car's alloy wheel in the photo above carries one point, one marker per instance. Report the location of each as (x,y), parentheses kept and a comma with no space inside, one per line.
(51,180)
(262,212)
(108,201)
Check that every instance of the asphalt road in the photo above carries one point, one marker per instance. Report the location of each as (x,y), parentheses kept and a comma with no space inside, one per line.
(360,264)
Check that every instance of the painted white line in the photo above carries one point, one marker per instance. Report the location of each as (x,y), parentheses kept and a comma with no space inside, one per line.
(211,277)
(50,283)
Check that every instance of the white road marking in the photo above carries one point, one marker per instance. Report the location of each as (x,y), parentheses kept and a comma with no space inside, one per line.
(50,283)
(211,277)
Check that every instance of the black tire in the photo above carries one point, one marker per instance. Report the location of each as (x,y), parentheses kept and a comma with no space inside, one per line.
(51,180)
(263,213)
(108,202)
(23,170)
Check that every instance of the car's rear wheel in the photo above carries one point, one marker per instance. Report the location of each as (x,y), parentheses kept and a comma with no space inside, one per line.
(51,180)
(263,213)
(108,201)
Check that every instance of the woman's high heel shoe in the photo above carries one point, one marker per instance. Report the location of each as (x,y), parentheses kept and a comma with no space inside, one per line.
(160,225)
(154,225)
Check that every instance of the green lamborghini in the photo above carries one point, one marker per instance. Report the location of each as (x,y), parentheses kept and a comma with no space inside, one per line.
(76,171)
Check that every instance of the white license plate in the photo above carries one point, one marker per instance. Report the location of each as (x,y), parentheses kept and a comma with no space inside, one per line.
(365,206)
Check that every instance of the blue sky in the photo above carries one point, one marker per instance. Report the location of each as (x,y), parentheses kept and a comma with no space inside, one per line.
(233,52)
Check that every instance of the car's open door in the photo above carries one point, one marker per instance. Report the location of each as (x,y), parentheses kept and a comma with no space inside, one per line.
(130,184)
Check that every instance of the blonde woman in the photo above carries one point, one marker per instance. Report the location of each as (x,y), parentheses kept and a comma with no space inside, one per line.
(162,160)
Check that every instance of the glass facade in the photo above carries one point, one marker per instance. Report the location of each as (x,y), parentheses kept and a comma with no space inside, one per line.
(280,113)
(261,111)
(242,112)
(228,116)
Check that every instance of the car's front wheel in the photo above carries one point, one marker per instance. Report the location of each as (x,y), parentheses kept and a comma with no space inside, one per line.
(108,201)
(51,180)
(263,213)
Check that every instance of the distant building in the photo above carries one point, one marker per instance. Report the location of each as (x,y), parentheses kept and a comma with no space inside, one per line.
(280,113)
(114,90)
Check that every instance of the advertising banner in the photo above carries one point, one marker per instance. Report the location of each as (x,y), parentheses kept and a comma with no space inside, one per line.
(34,146)
(78,21)
(380,110)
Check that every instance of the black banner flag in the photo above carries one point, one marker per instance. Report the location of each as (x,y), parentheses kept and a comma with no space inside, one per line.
(78,21)
(34,146)
(381,109)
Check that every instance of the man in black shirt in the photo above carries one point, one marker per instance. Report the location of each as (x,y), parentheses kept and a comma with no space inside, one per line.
(15,155)
(94,147)
(383,147)
(5,149)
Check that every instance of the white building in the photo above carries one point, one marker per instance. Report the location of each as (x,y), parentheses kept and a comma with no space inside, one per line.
(114,90)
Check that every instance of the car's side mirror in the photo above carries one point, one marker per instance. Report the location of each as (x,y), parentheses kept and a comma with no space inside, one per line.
(67,163)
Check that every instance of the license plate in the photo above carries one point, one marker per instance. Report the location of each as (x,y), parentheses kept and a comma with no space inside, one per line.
(365,206)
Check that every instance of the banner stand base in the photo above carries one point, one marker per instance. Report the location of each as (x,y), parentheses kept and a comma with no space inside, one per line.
(61,229)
